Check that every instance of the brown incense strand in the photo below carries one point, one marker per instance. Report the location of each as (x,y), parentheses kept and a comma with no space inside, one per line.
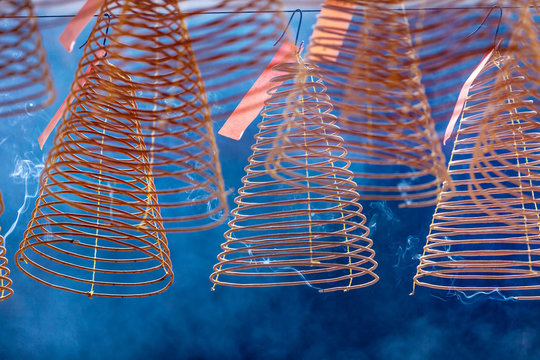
(5,281)
(283,234)
(485,234)
(150,43)
(383,112)
(97,228)
(25,81)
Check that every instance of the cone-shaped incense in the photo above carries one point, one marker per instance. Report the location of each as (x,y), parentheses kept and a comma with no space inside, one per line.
(384,118)
(285,234)
(148,41)
(97,228)
(5,281)
(485,234)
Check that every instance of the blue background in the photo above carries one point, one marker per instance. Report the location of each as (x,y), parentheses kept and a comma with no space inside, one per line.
(189,321)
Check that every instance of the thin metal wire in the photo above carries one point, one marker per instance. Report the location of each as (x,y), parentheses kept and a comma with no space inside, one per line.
(283,11)
(289,24)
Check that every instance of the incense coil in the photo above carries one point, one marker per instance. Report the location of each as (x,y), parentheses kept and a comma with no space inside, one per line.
(485,234)
(150,44)
(283,234)
(383,113)
(508,160)
(233,39)
(96,228)
(5,281)
(25,81)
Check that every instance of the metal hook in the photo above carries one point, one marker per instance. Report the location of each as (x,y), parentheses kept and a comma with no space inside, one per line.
(287,27)
(106,33)
(107,29)
(484,21)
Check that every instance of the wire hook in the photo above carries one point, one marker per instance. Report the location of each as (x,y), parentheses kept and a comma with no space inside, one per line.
(106,32)
(484,21)
(289,24)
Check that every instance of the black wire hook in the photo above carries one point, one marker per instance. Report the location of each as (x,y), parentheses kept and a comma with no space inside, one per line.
(289,24)
(484,21)
(106,33)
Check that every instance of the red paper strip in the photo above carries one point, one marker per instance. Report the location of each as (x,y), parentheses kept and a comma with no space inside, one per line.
(56,118)
(463,94)
(253,102)
(78,23)
(328,42)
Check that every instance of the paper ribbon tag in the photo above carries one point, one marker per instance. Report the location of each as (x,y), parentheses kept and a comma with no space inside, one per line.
(253,102)
(56,118)
(330,30)
(463,94)
(78,23)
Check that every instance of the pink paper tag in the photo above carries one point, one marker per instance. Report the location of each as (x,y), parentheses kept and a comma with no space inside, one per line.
(253,102)
(463,94)
(56,118)
(328,42)
(78,23)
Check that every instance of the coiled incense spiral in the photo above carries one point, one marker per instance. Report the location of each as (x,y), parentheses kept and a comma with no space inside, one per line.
(25,82)
(485,235)
(97,228)
(148,41)
(365,56)
(284,234)
(5,281)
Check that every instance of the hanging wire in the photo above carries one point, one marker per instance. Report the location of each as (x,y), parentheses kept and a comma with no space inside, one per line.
(484,21)
(106,33)
(281,11)
(287,27)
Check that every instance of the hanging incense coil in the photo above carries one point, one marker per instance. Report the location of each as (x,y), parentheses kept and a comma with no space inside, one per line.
(283,234)
(25,82)
(383,112)
(97,228)
(508,160)
(485,235)
(150,44)
(5,281)
(232,41)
